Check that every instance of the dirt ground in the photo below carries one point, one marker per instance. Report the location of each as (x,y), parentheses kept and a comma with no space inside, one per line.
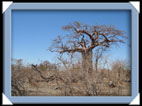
(52,89)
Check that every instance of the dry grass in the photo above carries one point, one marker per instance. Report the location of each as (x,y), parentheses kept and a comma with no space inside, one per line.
(73,81)
(77,83)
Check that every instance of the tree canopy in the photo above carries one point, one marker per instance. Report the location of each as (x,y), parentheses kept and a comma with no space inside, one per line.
(83,37)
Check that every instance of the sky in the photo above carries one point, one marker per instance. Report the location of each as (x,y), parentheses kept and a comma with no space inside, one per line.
(34,30)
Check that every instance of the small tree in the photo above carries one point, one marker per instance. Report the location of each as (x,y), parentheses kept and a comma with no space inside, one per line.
(98,55)
(83,38)
(18,78)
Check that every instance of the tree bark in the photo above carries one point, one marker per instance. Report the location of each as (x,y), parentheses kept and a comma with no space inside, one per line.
(87,63)
(96,65)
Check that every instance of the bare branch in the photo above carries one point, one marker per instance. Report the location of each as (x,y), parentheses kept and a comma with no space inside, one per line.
(85,38)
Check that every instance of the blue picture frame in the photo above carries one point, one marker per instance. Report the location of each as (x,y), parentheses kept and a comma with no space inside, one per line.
(69,99)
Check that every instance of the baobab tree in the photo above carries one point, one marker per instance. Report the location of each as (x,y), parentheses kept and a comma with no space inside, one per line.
(84,38)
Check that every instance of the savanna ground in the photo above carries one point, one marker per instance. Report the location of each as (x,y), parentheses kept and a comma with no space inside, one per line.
(47,80)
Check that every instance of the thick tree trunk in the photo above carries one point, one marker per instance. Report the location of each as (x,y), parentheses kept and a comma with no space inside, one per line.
(87,63)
